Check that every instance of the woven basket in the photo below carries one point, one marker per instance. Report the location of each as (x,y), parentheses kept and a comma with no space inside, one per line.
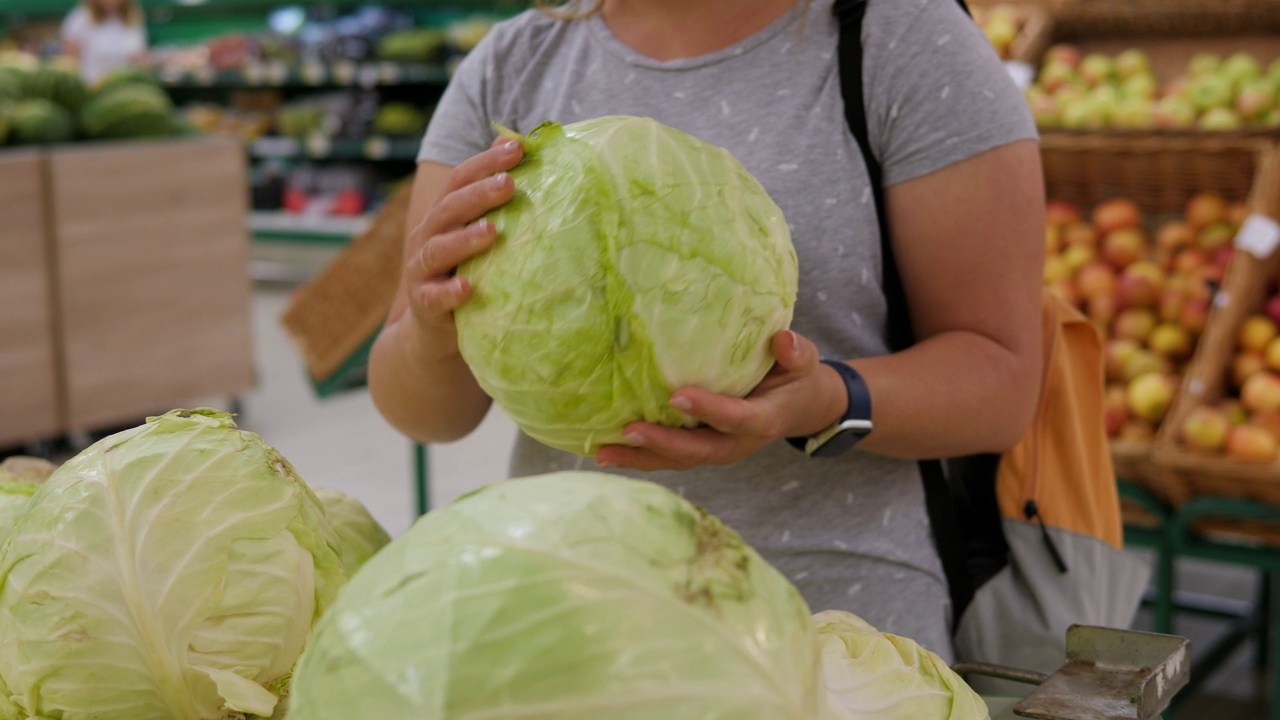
(1244,292)
(1164,18)
(333,316)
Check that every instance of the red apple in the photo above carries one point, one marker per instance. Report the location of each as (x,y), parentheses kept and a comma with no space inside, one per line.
(1124,246)
(1134,324)
(1068,55)
(1186,261)
(1170,340)
(1256,332)
(1261,392)
(1216,235)
(1066,290)
(1273,309)
(1269,421)
(1150,395)
(1245,365)
(1195,314)
(1206,275)
(1079,234)
(1221,258)
(1117,354)
(1205,428)
(1172,300)
(1101,309)
(1174,237)
(1204,209)
(1096,279)
(1115,410)
(1251,444)
(1116,214)
(1060,212)
(1139,285)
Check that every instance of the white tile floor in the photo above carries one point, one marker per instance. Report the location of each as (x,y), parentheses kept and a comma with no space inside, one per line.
(342,442)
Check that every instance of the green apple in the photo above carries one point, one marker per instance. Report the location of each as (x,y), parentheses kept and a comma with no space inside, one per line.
(1097,69)
(1136,113)
(1271,119)
(1220,119)
(1255,100)
(1174,113)
(1056,75)
(1204,63)
(1240,69)
(1131,63)
(1210,91)
(1045,111)
(1139,86)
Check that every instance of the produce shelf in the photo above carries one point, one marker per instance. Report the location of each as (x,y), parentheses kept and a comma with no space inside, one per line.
(291,226)
(376,148)
(317,74)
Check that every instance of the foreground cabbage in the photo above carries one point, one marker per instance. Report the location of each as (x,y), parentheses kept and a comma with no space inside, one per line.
(359,535)
(634,259)
(171,571)
(877,676)
(571,596)
(20,477)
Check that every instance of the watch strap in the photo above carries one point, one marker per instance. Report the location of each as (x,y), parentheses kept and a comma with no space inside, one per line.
(852,426)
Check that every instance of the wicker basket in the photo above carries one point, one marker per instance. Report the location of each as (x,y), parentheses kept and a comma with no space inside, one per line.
(1165,18)
(1244,292)
(333,316)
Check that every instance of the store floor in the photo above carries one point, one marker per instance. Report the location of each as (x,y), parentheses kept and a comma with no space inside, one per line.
(343,443)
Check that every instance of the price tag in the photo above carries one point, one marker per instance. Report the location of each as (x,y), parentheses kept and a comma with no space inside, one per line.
(377,148)
(390,73)
(318,145)
(313,73)
(344,72)
(1259,236)
(277,72)
(254,74)
(368,76)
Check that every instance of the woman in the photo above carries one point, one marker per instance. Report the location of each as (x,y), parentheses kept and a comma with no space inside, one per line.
(759,77)
(104,35)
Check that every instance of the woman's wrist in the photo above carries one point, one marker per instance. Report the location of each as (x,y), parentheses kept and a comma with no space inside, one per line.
(829,403)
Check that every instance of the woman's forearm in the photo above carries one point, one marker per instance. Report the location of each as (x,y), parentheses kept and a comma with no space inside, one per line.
(953,394)
(427,396)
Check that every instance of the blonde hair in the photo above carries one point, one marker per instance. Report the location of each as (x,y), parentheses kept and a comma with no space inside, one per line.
(130,12)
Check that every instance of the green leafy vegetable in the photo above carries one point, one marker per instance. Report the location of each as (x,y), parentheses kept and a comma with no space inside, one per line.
(173,570)
(20,477)
(359,535)
(571,596)
(634,259)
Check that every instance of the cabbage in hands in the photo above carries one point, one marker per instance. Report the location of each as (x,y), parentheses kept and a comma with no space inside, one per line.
(171,571)
(359,535)
(570,596)
(877,676)
(20,477)
(633,260)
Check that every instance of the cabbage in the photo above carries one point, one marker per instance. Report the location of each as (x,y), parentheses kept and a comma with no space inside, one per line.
(359,535)
(633,260)
(570,596)
(173,570)
(20,477)
(877,676)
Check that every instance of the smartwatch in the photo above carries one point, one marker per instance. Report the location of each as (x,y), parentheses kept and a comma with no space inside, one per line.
(848,430)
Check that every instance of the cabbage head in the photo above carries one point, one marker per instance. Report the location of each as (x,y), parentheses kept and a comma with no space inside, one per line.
(359,535)
(633,260)
(20,477)
(872,675)
(170,571)
(568,596)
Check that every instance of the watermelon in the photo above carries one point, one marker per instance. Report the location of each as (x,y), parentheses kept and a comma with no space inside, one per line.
(129,111)
(58,84)
(11,85)
(40,121)
(121,77)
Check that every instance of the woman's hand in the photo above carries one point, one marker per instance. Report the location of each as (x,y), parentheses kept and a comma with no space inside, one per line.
(800,396)
(449,235)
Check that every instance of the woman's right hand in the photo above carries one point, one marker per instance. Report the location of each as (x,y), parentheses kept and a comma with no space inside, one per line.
(451,232)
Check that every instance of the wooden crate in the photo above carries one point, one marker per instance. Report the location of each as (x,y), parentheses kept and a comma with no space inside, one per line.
(1165,18)
(30,408)
(152,275)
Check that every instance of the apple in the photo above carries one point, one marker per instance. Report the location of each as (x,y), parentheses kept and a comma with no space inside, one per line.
(1235,411)
(1077,257)
(1177,88)
(1134,324)
(1273,309)
(1116,214)
(1101,309)
(1240,69)
(1114,418)
(1055,76)
(1255,100)
(1186,261)
(1195,314)
(1237,213)
(1208,275)
(1139,87)
(1272,354)
(1261,392)
(1205,428)
(1060,212)
(1143,362)
(1150,395)
(1088,113)
(1204,63)
(1001,30)
(1132,63)
(1116,356)
(1219,119)
(1137,430)
(1171,302)
(1221,257)
(1052,240)
(1209,92)
(1272,118)
(1096,279)
(1170,340)
(1174,236)
(1215,237)
(1046,112)
(1070,93)
(1097,69)
(1066,290)
(1251,444)
(1269,421)
(1124,247)
(1256,332)
(1204,209)
(1139,285)
(1245,365)
(1134,113)
(1056,270)
(1080,234)
(1174,113)
(1063,54)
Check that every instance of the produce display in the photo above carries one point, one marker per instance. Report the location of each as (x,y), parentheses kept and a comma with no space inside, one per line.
(576,596)
(1245,425)
(630,243)
(1002,25)
(20,478)
(173,570)
(1075,91)
(1150,295)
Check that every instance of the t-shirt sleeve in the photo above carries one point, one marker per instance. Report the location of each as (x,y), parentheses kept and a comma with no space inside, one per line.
(459,127)
(936,91)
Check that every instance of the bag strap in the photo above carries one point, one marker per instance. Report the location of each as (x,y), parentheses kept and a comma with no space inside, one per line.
(941,506)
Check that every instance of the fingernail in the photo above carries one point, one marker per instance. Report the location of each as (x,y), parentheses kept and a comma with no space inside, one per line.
(795,341)
(481,227)
(605,464)
(459,286)
(681,403)
(633,438)
(511,146)
(499,181)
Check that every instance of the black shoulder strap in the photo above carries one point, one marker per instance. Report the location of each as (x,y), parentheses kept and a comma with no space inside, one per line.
(941,506)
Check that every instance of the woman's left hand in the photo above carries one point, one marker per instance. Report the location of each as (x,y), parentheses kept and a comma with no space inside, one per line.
(800,396)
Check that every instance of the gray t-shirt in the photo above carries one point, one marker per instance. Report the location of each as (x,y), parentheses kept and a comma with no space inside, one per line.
(852,533)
